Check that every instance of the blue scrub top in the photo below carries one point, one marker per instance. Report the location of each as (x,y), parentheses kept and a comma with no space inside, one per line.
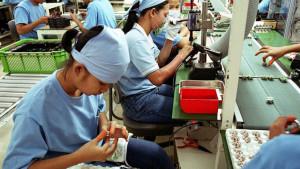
(160,38)
(26,13)
(11,2)
(48,122)
(282,152)
(263,6)
(100,12)
(143,53)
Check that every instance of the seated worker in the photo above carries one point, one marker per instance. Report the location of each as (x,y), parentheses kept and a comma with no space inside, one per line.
(263,6)
(145,96)
(57,122)
(276,52)
(99,12)
(182,38)
(30,16)
(281,152)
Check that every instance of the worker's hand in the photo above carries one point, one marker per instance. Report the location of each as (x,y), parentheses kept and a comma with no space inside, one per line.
(173,29)
(280,124)
(185,51)
(269,51)
(44,19)
(125,132)
(91,151)
(73,16)
(117,131)
(83,15)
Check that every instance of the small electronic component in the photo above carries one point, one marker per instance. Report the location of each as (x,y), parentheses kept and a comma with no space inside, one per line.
(283,80)
(243,77)
(264,64)
(264,78)
(249,78)
(269,100)
(294,128)
(270,78)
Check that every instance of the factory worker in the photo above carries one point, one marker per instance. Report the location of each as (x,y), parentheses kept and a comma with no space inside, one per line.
(145,96)
(281,152)
(263,6)
(182,38)
(99,12)
(57,122)
(30,16)
(276,52)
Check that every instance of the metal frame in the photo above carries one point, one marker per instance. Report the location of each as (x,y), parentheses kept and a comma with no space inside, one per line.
(13,87)
(111,106)
(238,26)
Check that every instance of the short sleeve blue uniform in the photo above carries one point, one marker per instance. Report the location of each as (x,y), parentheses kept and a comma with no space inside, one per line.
(282,152)
(26,13)
(263,6)
(100,12)
(48,122)
(143,53)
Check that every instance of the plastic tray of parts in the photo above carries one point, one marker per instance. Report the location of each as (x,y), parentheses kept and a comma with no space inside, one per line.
(244,144)
(200,96)
(33,56)
(58,22)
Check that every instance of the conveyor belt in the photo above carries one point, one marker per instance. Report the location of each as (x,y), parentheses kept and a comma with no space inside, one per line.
(256,113)
(13,87)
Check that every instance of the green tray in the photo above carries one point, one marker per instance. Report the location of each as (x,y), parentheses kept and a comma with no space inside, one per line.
(32,62)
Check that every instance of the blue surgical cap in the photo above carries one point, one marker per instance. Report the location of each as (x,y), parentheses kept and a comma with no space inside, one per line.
(144,4)
(105,56)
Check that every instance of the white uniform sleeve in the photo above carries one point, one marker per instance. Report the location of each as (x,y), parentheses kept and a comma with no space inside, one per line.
(27,144)
(143,57)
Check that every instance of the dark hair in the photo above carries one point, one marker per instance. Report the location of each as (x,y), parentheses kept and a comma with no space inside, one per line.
(133,18)
(80,41)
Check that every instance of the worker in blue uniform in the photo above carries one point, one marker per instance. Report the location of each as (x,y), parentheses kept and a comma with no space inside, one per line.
(56,124)
(99,12)
(281,152)
(276,52)
(30,16)
(182,38)
(145,97)
(263,6)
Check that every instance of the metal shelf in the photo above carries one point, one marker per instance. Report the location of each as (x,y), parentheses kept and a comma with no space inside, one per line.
(4,35)
(13,87)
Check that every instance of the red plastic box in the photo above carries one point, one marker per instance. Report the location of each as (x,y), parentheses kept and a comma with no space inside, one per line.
(200,97)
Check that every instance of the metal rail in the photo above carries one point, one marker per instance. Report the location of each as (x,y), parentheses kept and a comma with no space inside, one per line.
(12,89)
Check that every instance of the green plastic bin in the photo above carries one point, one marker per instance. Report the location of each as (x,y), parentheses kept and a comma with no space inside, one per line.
(32,62)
